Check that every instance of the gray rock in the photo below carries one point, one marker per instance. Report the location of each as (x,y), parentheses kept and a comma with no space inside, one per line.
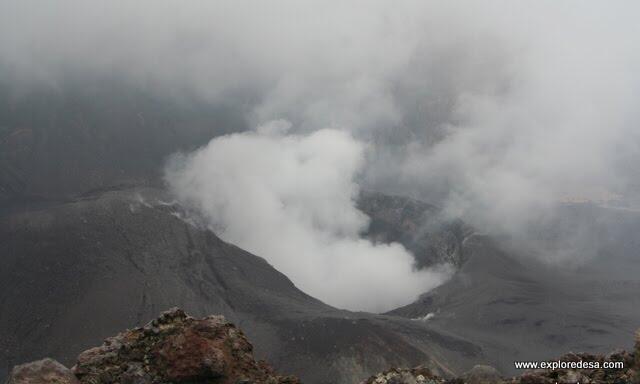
(482,374)
(41,372)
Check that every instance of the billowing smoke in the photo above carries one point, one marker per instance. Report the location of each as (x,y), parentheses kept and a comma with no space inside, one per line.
(495,110)
(291,199)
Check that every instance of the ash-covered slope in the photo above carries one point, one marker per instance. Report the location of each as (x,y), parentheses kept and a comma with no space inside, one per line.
(419,226)
(521,309)
(177,348)
(75,272)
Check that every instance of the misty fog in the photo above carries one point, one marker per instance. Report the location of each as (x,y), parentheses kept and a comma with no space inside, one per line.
(495,111)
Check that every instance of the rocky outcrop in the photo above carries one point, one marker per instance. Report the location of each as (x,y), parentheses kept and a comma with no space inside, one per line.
(173,348)
(42,372)
(480,374)
(420,227)
(179,349)
(628,374)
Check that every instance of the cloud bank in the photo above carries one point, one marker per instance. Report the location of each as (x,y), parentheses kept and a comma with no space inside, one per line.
(291,199)
(495,110)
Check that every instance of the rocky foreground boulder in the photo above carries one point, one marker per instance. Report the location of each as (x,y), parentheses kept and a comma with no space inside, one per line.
(42,371)
(176,348)
(173,348)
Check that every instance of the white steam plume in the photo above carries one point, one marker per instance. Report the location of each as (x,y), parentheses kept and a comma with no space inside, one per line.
(494,109)
(290,199)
